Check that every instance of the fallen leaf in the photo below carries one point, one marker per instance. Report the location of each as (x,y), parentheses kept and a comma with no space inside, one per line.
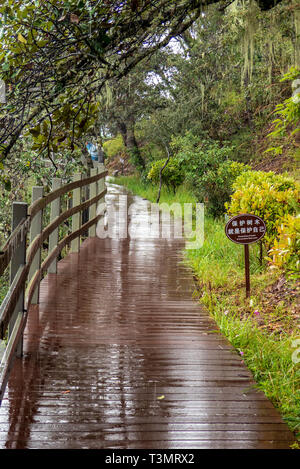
(161,397)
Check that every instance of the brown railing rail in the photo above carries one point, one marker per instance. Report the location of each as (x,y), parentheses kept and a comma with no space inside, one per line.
(26,266)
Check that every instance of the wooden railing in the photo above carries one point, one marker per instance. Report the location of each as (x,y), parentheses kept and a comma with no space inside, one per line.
(24,256)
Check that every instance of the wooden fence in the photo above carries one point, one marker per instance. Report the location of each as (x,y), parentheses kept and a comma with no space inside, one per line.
(22,253)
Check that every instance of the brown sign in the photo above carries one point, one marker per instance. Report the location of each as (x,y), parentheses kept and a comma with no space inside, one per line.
(245,229)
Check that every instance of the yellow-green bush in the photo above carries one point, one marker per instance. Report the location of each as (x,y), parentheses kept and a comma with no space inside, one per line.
(284,255)
(114,146)
(265,194)
(171,175)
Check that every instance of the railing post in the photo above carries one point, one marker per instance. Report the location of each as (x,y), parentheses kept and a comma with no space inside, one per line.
(35,230)
(85,196)
(101,183)
(76,218)
(19,212)
(54,213)
(93,208)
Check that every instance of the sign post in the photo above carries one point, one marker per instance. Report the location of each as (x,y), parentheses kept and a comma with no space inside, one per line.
(245,229)
(247,270)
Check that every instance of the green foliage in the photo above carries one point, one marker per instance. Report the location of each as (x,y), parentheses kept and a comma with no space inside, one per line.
(268,358)
(266,194)
(284,254)
(288,112)
(29,169)
(219,259)
(114,146)
(148,191)
(172,175)
(219,267)
(217,184)
(58,98)
(208,168)
(136,158)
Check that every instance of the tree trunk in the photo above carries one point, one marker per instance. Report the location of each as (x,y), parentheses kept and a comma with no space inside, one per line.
(123,131)
(127,132)
(132,147)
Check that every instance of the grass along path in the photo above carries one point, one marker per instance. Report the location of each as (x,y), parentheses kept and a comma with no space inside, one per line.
(265,328)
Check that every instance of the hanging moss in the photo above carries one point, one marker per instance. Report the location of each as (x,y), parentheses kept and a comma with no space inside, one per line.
(271,59)
(108,96)
(247,46)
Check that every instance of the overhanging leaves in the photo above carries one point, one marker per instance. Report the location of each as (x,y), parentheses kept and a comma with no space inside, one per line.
(55,52)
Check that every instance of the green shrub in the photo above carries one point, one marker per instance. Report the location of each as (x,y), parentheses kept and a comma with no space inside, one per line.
(288,115)
(217,185)
(265,194)
(208,169)
(114,146)
(172,175)
(284,254)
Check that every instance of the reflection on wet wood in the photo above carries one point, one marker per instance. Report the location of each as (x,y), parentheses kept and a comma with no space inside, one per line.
(119,355)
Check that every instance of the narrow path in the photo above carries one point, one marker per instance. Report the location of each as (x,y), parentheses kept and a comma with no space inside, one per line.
(119,355)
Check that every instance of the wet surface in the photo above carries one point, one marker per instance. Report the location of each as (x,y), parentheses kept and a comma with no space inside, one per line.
(119,355)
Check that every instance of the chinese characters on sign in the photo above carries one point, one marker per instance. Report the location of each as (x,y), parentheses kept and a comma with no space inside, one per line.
(245,229)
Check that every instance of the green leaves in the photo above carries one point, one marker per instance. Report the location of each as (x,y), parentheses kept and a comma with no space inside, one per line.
(35,132)
(5,180)
(208,168)
(284,254)
(22,39)
(7,184)
(286,125)
(172,174)
(266,194)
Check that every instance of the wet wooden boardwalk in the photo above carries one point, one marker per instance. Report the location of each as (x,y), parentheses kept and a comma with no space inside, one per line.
(119,355)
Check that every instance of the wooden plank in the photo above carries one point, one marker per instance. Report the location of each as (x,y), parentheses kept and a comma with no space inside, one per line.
(10,351)
(53,254)
(18,285)
(120,355)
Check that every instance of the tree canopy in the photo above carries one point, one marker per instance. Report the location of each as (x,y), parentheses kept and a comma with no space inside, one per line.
(57,56)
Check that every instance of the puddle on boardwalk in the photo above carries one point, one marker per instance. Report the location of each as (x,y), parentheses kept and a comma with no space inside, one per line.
(119,355)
